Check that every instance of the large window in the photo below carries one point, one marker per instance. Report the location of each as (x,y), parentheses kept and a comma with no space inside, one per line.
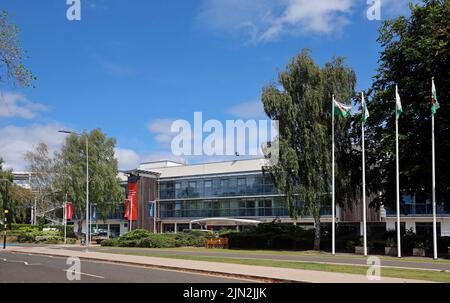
(250,185)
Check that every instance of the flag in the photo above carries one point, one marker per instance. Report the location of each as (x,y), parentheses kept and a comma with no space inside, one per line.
(69,211)
(341,109)
(434,101)
(127,209)
(399,108)
(365,111)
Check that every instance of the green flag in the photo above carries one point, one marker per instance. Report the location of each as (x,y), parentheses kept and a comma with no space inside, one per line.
(399,108)
(341,109)
(434,101)
(365,111)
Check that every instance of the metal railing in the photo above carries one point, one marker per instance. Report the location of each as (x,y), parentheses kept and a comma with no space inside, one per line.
(236,212)
(419,209)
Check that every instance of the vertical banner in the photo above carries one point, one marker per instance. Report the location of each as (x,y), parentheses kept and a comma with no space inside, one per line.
(127,208)
(69,211)
(93,212)
(133,203)
(151,209)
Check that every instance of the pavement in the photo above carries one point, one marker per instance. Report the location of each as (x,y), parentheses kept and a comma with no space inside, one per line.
(26,268)
(341,259)
(246,272)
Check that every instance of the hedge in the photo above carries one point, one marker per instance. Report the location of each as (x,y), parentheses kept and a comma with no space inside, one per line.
(146,239)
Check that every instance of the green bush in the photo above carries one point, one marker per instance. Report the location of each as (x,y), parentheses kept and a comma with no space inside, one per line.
(157,241)
(146,239)
(136,234)
(16,226)
(110,242)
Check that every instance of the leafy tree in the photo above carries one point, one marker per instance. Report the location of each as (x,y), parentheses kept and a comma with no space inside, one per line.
(303,108)
(415,49)
(12,68)
(42,168)
(13,197)
(104,187)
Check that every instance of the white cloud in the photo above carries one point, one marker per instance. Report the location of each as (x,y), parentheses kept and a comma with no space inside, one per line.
(267,20)
(16,141)
(161,129)
(17,105)
(128,158)
(248,110)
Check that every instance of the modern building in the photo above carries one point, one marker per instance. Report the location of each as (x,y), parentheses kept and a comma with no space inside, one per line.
(173,197)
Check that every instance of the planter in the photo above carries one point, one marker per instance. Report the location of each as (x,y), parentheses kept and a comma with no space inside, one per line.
(359,250)
(419,252)
(390,251)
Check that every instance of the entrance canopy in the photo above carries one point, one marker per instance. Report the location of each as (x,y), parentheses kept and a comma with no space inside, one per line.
(225,222)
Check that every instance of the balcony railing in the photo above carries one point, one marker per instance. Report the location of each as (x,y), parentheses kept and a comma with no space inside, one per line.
(420,210)
(240,212)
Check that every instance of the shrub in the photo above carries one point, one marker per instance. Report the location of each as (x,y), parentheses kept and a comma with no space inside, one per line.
(157,241)
(110,242)
(16,226)
(136,234)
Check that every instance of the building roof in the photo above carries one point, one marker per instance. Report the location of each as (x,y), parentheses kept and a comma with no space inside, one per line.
(213,168)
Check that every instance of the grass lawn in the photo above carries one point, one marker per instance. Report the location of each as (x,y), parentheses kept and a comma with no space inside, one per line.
(284,253)
(425,275)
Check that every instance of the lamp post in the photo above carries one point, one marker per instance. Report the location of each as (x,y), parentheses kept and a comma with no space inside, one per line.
(87,181)
(5,211)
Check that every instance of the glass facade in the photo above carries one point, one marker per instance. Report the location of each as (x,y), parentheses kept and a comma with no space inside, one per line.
(233,196)
(249,185)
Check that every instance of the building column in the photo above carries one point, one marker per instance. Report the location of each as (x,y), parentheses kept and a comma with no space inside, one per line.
(237,227)
(190,226)
(176,227)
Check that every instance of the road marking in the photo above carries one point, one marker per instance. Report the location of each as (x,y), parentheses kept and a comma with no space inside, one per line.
(81,273)
(17,261)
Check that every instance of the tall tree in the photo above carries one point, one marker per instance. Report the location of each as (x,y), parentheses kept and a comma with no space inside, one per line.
(42,167)
(303,108)
(13,197)
(415,49)
(12,68)
(104,187)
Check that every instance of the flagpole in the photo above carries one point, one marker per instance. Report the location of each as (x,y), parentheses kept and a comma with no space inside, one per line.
(434,184)
(399,253)
(364,177)
(65,221)
(131,212)
(333,206)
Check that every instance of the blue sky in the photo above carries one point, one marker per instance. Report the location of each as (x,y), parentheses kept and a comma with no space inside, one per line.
(131,67)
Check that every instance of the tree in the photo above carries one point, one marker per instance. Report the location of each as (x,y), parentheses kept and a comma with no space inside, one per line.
(303,108)
(42,169)
(415,49)
(104,187)
(13,197)
(12,68)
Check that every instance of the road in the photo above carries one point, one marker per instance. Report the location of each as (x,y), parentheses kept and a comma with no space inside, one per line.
(26,268)
(405,263)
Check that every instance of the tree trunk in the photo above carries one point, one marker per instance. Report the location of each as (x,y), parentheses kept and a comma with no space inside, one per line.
(317,233)
(80,227)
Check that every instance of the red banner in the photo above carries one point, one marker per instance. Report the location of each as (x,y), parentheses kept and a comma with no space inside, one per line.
(69,211)
(131,204)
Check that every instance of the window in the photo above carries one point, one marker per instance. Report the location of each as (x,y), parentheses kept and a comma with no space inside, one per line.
(208,183)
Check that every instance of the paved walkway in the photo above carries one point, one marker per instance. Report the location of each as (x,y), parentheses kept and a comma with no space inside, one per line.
(237,270)
(344,259)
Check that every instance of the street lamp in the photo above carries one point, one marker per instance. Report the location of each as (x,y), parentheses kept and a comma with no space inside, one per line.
(87,181)
(5,204)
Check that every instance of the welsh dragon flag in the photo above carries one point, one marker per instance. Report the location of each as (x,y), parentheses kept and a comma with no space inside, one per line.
(341,109)
(399,108)
(434,101)
(365,111)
